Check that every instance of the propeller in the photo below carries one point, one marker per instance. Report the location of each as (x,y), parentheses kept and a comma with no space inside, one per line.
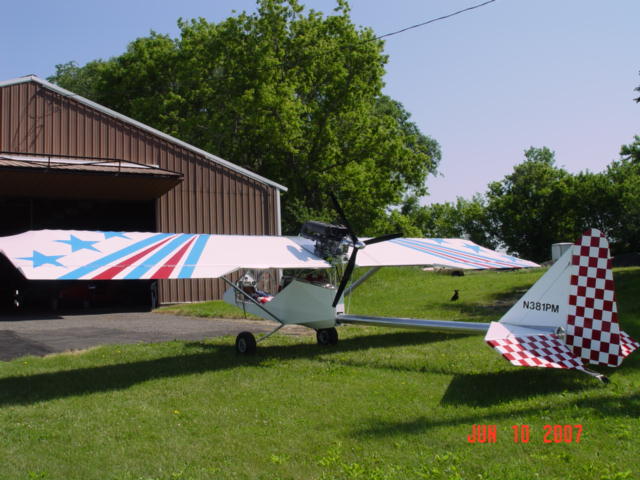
(357,245)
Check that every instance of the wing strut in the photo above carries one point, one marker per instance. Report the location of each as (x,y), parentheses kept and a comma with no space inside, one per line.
(361,280)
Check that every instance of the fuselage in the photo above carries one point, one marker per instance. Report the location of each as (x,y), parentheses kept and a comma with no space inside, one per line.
(300,303)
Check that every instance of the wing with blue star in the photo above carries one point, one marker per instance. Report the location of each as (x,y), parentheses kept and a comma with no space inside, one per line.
(97,255)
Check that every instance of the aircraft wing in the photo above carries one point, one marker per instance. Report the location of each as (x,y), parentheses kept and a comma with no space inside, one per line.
(437,252)
(97,255)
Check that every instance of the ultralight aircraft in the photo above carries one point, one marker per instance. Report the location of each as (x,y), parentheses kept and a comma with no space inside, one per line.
(565,320)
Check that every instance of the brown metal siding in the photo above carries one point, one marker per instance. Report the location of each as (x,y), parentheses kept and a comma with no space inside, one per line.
(211,199)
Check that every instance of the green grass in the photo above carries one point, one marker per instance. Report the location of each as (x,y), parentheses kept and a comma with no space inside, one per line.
(382,404)
(410,292)
(212,309)
(484,296)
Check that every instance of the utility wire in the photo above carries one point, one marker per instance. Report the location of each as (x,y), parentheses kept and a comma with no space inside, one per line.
(473,7)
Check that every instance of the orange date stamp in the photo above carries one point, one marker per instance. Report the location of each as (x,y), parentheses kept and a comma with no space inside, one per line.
(551,433)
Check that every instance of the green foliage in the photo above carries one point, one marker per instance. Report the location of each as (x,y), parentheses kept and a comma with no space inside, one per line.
(397,221)
(624,207)
(528,208)
(540,204)
(631,152)
(293,95)
(212,309)
(465,218)
(84,81)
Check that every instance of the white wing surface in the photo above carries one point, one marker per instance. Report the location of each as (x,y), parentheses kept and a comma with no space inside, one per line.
(437,252)
(97,255)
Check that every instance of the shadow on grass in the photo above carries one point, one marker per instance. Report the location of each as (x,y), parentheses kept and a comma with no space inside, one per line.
(610,405)
(482,390)
(466,389)
(494,389)
(48,386)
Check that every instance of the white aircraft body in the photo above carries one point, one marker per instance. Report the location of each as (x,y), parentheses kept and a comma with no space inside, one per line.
(566,320)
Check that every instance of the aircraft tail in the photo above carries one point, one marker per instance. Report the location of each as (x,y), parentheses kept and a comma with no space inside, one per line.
(569,317)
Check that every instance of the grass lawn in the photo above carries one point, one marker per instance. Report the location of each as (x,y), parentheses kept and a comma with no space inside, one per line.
(382,404)
(213,309)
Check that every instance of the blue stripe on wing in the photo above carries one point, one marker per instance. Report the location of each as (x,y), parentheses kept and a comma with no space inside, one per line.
(157,257)
(112,257)
(459,256)
(194,256)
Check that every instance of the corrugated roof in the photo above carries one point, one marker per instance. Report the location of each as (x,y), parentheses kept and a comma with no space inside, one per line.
(142,126)
(11,160)
(59,177)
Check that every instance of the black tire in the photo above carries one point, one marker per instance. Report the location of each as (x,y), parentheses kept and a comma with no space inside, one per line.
(327,336)
(246,343)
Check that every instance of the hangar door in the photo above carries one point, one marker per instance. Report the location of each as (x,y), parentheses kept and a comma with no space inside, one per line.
(44,192)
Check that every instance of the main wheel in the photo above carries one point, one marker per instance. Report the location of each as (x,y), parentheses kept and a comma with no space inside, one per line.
(245,343)
(327,336)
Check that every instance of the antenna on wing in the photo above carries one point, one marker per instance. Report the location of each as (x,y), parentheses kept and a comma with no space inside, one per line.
(357,245)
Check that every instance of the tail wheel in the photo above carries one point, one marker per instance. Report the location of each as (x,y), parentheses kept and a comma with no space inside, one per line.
(246,343)
(327,336)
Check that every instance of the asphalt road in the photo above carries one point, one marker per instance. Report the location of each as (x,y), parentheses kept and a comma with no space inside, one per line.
(43,334)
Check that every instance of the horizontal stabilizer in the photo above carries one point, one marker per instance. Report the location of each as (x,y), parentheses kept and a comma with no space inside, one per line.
(528,347)
(627,344)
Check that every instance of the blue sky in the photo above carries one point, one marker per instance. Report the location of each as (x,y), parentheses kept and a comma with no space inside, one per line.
(486,84)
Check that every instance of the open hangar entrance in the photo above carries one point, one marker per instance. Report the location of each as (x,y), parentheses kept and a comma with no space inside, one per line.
(215,196)
(45,192)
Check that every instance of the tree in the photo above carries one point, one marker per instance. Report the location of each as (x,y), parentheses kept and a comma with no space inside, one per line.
(631,152)
(610,200)
(593,203)
(530,209)
(462,219)
(623,177)
(295,96)
(84,81)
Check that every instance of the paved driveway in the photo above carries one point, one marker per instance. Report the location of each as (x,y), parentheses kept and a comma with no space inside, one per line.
(43,334)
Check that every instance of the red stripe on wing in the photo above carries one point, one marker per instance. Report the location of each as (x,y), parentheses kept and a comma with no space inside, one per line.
(110,273)
(170,265)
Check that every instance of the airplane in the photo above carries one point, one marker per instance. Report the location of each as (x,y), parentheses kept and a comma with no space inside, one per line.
(566,320)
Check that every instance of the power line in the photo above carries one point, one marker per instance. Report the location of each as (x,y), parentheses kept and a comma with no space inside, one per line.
(435,19)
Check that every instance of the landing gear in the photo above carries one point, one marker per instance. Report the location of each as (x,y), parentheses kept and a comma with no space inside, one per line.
(327,336)
(246,343)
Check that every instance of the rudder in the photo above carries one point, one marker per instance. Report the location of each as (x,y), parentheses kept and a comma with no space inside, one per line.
(593,331)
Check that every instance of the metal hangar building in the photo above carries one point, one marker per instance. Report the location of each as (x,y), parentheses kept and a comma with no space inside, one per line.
(68,163)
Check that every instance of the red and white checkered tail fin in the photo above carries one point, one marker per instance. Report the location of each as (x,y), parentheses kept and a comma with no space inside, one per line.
(569,317)
(592,331)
